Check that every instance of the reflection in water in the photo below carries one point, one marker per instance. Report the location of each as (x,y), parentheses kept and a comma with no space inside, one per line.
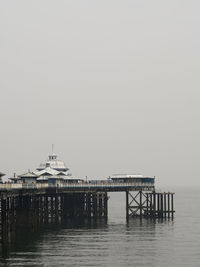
(24,242)
(81,243)
(110,243)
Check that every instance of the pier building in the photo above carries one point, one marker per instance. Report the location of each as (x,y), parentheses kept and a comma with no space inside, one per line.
(130,178)
(51,172)
(54,164)
(28,178)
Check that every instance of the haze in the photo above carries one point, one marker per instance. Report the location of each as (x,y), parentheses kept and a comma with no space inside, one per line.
(114,85)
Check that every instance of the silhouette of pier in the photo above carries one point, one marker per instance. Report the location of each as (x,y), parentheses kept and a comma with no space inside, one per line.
(38,204)
(82,200)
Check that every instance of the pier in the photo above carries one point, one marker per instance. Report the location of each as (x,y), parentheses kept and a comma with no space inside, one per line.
(51,195)
(85,200)
(34,206)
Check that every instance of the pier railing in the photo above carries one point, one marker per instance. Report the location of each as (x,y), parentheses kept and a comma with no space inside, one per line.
(98,185)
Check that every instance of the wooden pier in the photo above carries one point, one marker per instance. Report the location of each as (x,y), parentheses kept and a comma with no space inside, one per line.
(82,200)
(36,205)
(150,205)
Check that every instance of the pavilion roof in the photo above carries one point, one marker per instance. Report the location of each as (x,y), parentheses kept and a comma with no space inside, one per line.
(29,174)
(47,171)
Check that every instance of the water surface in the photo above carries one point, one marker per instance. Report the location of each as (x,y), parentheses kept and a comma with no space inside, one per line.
(114,242)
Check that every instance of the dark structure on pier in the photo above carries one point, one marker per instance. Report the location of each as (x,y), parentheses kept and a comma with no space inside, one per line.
(51,205)
(149,205)
(87,200)
(40,204)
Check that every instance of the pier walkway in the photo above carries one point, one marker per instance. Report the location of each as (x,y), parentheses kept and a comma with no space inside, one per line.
(95,186)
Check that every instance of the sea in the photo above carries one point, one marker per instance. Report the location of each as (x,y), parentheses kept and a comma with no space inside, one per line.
(114,242)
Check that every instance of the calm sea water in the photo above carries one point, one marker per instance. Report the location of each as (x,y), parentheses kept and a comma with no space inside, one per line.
(115,243)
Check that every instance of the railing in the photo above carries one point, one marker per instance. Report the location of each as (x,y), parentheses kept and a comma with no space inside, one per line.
(10,186)
(106,185)
(100,185)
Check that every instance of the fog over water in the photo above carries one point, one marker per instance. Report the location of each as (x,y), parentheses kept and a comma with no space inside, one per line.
(113,84)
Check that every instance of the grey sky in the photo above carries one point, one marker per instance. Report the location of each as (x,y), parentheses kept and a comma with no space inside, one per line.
(113,84)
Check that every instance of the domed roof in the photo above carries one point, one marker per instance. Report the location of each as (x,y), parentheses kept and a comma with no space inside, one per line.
(53,163)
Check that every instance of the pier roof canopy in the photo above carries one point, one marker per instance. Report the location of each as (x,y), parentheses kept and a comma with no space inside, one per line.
(48,171)
(120,176)
(129,178)
(53,163)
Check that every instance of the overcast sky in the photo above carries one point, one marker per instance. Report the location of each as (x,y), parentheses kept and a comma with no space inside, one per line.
(115,85)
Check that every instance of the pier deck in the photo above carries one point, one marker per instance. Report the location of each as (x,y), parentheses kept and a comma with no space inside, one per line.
(47,203)
(15,189)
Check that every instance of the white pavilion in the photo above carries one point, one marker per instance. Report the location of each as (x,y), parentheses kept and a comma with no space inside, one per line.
(52,172)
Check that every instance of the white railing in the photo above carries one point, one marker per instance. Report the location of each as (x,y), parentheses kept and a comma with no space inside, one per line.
(79,185)
(106,185)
